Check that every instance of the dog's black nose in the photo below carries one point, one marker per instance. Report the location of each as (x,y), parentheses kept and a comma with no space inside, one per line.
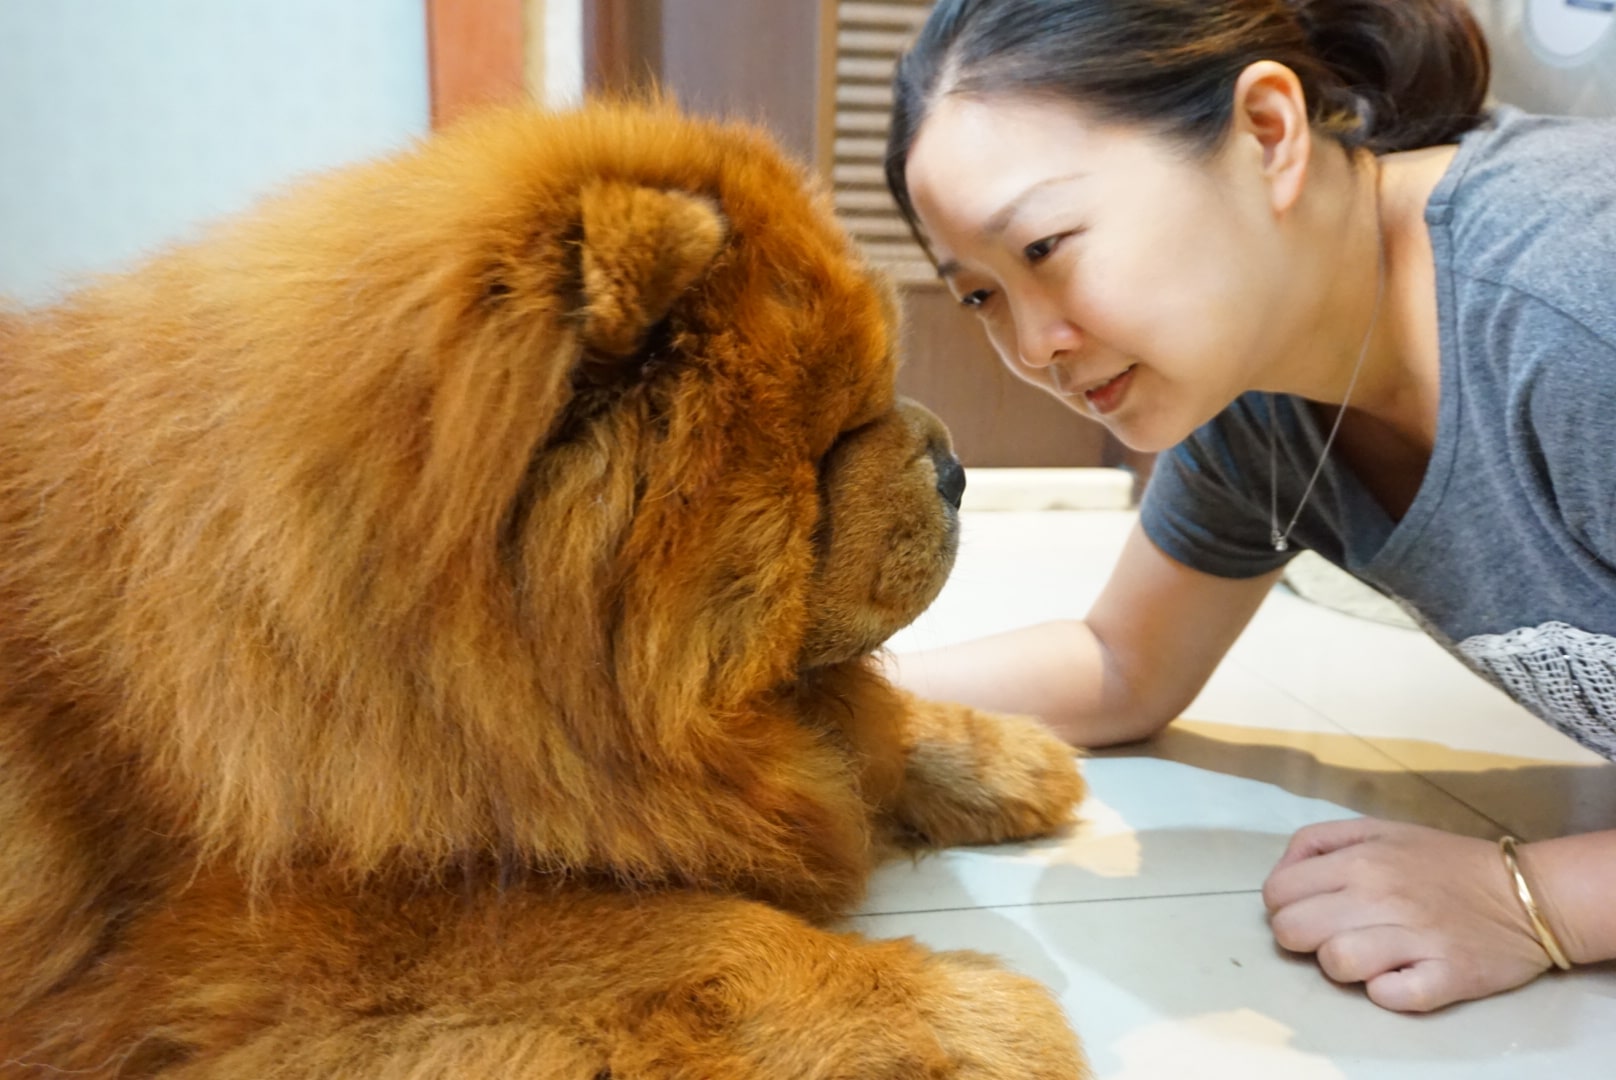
(950,477)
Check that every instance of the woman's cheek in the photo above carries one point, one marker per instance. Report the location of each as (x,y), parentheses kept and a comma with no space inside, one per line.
(1002,336)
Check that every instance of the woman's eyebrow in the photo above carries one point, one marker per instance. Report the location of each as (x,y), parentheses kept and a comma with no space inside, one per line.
(1002,217)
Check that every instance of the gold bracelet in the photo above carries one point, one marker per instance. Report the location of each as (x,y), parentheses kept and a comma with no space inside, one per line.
(1540,929)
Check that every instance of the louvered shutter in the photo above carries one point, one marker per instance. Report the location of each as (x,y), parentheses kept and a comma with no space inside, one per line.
(869,39)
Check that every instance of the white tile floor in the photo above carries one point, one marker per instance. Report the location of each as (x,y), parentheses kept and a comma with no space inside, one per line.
(1147,919)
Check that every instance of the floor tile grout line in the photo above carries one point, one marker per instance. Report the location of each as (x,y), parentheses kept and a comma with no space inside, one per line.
(1313,710)
(1382,751)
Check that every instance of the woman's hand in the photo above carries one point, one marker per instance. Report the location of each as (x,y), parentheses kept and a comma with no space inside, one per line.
(1423,918)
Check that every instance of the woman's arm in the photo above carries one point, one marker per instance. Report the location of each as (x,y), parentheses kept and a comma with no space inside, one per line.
(1573,880)
(1144,651)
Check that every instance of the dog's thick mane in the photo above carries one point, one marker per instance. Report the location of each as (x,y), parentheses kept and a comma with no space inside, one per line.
(285,466)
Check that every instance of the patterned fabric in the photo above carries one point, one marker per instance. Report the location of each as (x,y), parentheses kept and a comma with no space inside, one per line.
(1564,675)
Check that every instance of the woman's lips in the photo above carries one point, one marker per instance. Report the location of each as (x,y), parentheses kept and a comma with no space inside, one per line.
(1108,395)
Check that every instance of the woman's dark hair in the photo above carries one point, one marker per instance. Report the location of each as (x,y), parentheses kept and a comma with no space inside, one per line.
(1378,74)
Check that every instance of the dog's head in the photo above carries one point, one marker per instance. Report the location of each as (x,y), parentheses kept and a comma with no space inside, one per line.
(667,376)
(758,501)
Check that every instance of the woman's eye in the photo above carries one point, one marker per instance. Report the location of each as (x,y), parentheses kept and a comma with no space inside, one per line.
(1039,250)
(976,298)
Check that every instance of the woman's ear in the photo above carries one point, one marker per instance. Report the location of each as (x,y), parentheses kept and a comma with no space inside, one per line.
(1270,107)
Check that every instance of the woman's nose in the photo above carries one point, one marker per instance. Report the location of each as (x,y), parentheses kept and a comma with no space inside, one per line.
(1044,334)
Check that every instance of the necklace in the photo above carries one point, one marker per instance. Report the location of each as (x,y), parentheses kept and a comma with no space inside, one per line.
(1282,540)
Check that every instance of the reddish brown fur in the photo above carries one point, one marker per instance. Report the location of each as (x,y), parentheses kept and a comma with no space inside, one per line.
(434,620)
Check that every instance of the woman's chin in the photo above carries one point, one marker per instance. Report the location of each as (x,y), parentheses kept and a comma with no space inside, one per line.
(1143,435)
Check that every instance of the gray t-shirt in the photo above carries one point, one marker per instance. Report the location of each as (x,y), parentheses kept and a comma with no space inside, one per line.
(1507,555)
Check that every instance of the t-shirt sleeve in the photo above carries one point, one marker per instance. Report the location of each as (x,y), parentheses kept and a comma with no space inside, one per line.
(1200,510)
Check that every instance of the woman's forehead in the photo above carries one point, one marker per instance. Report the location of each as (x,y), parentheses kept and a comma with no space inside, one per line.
(975,162)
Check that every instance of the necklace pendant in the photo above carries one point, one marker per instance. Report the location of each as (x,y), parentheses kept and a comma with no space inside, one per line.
(1280,543)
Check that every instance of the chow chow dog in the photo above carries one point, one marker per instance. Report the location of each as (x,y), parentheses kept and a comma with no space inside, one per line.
(436,626)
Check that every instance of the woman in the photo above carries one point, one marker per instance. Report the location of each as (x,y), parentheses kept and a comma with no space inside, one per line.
(1282,242)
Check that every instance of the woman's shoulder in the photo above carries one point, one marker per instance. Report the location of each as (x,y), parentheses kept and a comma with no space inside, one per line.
(1518,172)
(1512,150)
(1529,205)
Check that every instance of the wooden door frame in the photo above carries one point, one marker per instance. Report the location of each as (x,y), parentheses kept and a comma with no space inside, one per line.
(476,55)
(825,121)
(622,45)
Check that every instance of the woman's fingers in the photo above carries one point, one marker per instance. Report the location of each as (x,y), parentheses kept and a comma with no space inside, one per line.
(1328,836)
(1372,951)
(1315,876)
(1402,969)
(1324,858)
(1419,987)
(1306,925)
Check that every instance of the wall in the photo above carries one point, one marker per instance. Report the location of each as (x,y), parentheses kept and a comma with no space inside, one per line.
(1552,56)
(124,125)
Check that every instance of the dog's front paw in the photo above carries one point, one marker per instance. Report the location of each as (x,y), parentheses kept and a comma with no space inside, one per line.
(972,777)
(997,1025)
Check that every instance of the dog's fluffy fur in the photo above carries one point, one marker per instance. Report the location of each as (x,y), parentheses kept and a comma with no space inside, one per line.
(435,617)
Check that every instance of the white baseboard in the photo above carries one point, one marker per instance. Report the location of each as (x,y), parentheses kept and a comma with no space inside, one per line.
(1048,489)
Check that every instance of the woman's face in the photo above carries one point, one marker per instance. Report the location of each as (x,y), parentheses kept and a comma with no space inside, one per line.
(1139,285)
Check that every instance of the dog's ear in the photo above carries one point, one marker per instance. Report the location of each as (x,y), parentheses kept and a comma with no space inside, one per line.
(642,247)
